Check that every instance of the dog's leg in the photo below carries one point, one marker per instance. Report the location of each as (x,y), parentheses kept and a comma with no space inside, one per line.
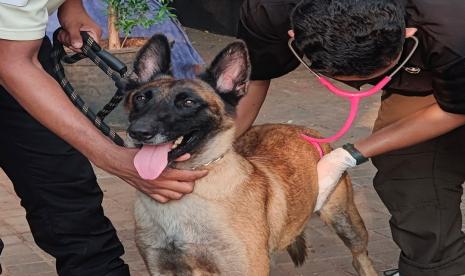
(259,264)
(342,215)
(151,261)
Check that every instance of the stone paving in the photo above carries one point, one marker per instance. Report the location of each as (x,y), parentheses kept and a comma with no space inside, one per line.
(296,98)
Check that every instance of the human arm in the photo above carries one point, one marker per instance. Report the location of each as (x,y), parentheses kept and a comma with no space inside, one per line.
(421,126)
(43,98)
(249,106)
(269,58)
(25,79)
(425,124)
(446,114)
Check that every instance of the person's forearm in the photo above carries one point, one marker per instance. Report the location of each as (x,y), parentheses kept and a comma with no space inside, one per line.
(71,7)
(421,126)
(44,99)
(250,105)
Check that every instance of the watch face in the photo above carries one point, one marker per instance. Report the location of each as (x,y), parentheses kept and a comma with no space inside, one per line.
(19,3)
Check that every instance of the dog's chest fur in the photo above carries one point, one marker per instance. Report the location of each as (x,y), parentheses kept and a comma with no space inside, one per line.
(198,226)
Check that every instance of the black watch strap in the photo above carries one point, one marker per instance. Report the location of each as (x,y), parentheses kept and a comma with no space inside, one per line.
(357,155)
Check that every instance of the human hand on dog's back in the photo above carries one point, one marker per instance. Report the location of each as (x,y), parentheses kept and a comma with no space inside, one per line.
(172,184)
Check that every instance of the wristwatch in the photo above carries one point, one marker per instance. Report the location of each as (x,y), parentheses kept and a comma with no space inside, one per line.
(357,155)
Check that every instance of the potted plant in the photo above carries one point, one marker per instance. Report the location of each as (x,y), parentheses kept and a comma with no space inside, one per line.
(122,17)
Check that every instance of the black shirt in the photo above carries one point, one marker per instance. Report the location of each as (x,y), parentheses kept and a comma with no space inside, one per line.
(263,26)
(440,56)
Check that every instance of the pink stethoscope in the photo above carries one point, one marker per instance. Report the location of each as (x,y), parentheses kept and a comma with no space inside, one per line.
(354,98)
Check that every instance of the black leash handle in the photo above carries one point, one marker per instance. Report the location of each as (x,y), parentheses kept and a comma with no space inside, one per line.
(109,64)
(118,75)
(109,59)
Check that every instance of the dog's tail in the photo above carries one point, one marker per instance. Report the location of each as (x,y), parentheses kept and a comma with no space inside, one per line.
(298,250)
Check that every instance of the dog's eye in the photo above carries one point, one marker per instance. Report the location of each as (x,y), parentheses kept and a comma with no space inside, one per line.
(188,103)
(140,98)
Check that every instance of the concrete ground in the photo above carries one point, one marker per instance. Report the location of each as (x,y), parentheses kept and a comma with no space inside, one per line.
(296,98)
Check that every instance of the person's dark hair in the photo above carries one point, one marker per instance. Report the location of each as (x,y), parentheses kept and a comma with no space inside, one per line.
(349,37)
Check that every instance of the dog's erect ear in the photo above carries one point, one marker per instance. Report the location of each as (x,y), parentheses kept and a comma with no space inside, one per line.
(229,72)
(152,59)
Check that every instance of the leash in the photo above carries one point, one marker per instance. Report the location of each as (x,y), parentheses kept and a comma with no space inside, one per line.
(109,64)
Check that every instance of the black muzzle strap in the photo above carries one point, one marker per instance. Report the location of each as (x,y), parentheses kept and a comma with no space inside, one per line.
(109,64)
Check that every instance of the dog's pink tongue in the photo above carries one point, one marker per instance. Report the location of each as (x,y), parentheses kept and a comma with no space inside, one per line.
(150,161)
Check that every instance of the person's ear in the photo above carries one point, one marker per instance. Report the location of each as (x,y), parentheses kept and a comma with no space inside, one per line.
(409,32)
(291,33)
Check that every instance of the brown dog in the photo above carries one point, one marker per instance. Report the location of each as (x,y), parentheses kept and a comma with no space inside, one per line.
(260,191)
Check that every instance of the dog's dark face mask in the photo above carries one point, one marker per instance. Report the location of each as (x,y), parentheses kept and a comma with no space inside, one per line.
(179,116)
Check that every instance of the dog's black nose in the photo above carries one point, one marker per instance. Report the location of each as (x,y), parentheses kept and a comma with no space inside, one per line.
(140,134)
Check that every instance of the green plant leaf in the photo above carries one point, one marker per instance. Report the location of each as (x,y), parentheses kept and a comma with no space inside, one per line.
(133,13)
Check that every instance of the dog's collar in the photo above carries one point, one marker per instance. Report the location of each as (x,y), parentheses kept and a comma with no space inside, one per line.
(210,162)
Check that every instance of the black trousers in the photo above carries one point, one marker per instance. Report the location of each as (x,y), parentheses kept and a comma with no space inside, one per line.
(422,187)
(59,192)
